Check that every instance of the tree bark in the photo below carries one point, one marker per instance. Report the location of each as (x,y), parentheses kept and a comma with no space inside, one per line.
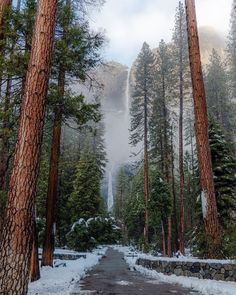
(34,262)
(4,4)
(175,221)
(48,245)
(213,235)
(169,248)
(15,249)
(181,145)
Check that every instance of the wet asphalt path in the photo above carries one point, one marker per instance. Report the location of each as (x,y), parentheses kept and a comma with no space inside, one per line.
(113,277)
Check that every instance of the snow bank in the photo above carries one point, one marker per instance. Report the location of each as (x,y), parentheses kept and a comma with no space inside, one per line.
(127,251)
(206,287)
(60,280)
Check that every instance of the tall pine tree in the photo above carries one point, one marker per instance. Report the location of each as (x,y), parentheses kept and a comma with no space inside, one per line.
(140,114)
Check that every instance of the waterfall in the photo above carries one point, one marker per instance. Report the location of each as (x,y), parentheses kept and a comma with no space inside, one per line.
(110,199)
(118,126)
(127,104)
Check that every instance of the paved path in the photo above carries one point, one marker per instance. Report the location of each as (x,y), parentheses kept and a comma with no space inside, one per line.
(112,277)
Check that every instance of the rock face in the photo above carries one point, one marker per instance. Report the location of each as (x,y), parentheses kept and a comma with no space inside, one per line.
(210,39)
(201,270)
(114,78)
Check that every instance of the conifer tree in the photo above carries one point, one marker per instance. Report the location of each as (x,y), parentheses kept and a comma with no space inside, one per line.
(15,249)
(140,114)
(160,129)
(135,209)
(218,96)
(212,230)
(224,169)
(181,62)
(160,206)
(13,66)
(76,51)
(85,200)
(232,51)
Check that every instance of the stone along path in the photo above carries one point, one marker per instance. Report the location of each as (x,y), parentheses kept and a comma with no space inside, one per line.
(112,277)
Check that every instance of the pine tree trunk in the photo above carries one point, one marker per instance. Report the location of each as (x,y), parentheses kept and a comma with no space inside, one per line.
(213,235)
(146,176)
(181,147)
(4,4)
(169,245)
(175,221)
(34,262)
(48,245)
(15,249)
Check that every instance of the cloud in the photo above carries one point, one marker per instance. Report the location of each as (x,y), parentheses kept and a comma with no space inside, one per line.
(129,23)
(215,13)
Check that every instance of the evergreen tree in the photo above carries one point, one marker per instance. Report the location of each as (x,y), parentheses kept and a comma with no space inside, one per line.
(140,114)
(135,209)
(160,206)
(122,194)
(18,225)
(13,65)
(85,201)
(218,100)
(181,61)
(224,169)
(76,52)
(211,221)
(160,123)
(160,127)
(232,52)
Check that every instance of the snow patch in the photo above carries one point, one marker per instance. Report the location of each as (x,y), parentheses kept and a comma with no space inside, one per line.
(206,287)
(124,283)
(61,280)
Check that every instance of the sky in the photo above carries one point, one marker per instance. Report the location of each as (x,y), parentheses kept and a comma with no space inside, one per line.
(128,23)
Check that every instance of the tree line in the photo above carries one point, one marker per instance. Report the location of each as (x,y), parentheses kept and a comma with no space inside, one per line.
(181,194)
(52,151)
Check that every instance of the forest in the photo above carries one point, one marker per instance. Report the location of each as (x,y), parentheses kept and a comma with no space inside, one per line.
(175,194)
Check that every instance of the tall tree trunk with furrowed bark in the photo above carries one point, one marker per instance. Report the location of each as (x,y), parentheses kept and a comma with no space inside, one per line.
(212,230)
(34,262)
(4,4)
(49,239)
(16,244)
(169,240)
(175,221)
(48,245)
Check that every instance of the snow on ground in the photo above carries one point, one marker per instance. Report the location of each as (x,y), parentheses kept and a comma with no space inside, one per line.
(64,251)
(185,258)
(60,280)
(206,287)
